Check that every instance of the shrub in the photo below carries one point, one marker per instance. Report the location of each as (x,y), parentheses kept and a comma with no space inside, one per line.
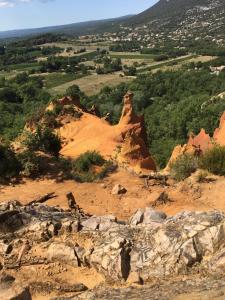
(44,139)
(9,165)
(64,167)
(86,160)
(214,160)
(202,175)
(50,119)
(72,111)
(161,57)
(57,109)
(73,91)
(30,164)
(89,166)
(21,78)
(183,167)
(130,71)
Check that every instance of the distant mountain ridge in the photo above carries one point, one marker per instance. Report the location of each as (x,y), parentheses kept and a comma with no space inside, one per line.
(189,18)
(89,27)
(169,8)
(175,19)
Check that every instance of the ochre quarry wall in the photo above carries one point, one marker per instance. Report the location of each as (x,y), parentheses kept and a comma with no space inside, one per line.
(200,143)
(124,142)
(219,134)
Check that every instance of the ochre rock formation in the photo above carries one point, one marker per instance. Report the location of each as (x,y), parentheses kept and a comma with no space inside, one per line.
(200,143)
(219,134)
(134,152)
(129,120)
(124,142)
(178,151)
(66,101)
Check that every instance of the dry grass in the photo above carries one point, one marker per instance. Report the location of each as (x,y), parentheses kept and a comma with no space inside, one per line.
(200,58)
(130,62)
(72,54)
(92,84)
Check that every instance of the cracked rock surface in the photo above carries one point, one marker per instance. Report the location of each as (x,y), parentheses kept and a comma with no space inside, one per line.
(149,247)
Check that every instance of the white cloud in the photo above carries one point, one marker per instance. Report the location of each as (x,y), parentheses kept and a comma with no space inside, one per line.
(6,4)
(12,3)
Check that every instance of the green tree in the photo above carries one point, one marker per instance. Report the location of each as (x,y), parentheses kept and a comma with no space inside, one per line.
(44,139)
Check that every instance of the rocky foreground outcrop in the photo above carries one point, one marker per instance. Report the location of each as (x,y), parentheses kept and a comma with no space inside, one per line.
(149,246)
(200,143)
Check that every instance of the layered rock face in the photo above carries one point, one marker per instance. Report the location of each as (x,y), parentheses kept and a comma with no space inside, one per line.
(150,245)
(200,143)
(124,142)
(161,246)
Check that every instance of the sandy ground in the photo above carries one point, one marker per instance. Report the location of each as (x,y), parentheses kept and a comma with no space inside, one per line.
(92,197)
(88,134)
(56,273)
(96,198)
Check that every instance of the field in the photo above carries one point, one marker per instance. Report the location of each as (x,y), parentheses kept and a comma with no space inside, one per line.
(174,64)
(131,55)
(202,59)
(14,69)
(7,74)
(92,84)
(157,65)
(55,79)
(76,45)
(23,67)
(181,63)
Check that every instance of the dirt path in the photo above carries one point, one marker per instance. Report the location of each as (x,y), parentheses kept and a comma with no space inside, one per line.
(96,198)
(92,197)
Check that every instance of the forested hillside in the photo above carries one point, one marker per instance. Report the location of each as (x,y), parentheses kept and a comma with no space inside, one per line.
(171,103)
(167,9)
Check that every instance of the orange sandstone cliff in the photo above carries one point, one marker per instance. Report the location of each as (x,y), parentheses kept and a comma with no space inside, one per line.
(124,142)
(200,143)
(219,134)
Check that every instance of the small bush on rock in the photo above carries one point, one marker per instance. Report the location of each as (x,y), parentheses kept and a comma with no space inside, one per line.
(214,160)
(183,167)
(89,166)
(73,91)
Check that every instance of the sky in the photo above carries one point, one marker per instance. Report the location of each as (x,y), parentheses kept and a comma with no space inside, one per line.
(19,14)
